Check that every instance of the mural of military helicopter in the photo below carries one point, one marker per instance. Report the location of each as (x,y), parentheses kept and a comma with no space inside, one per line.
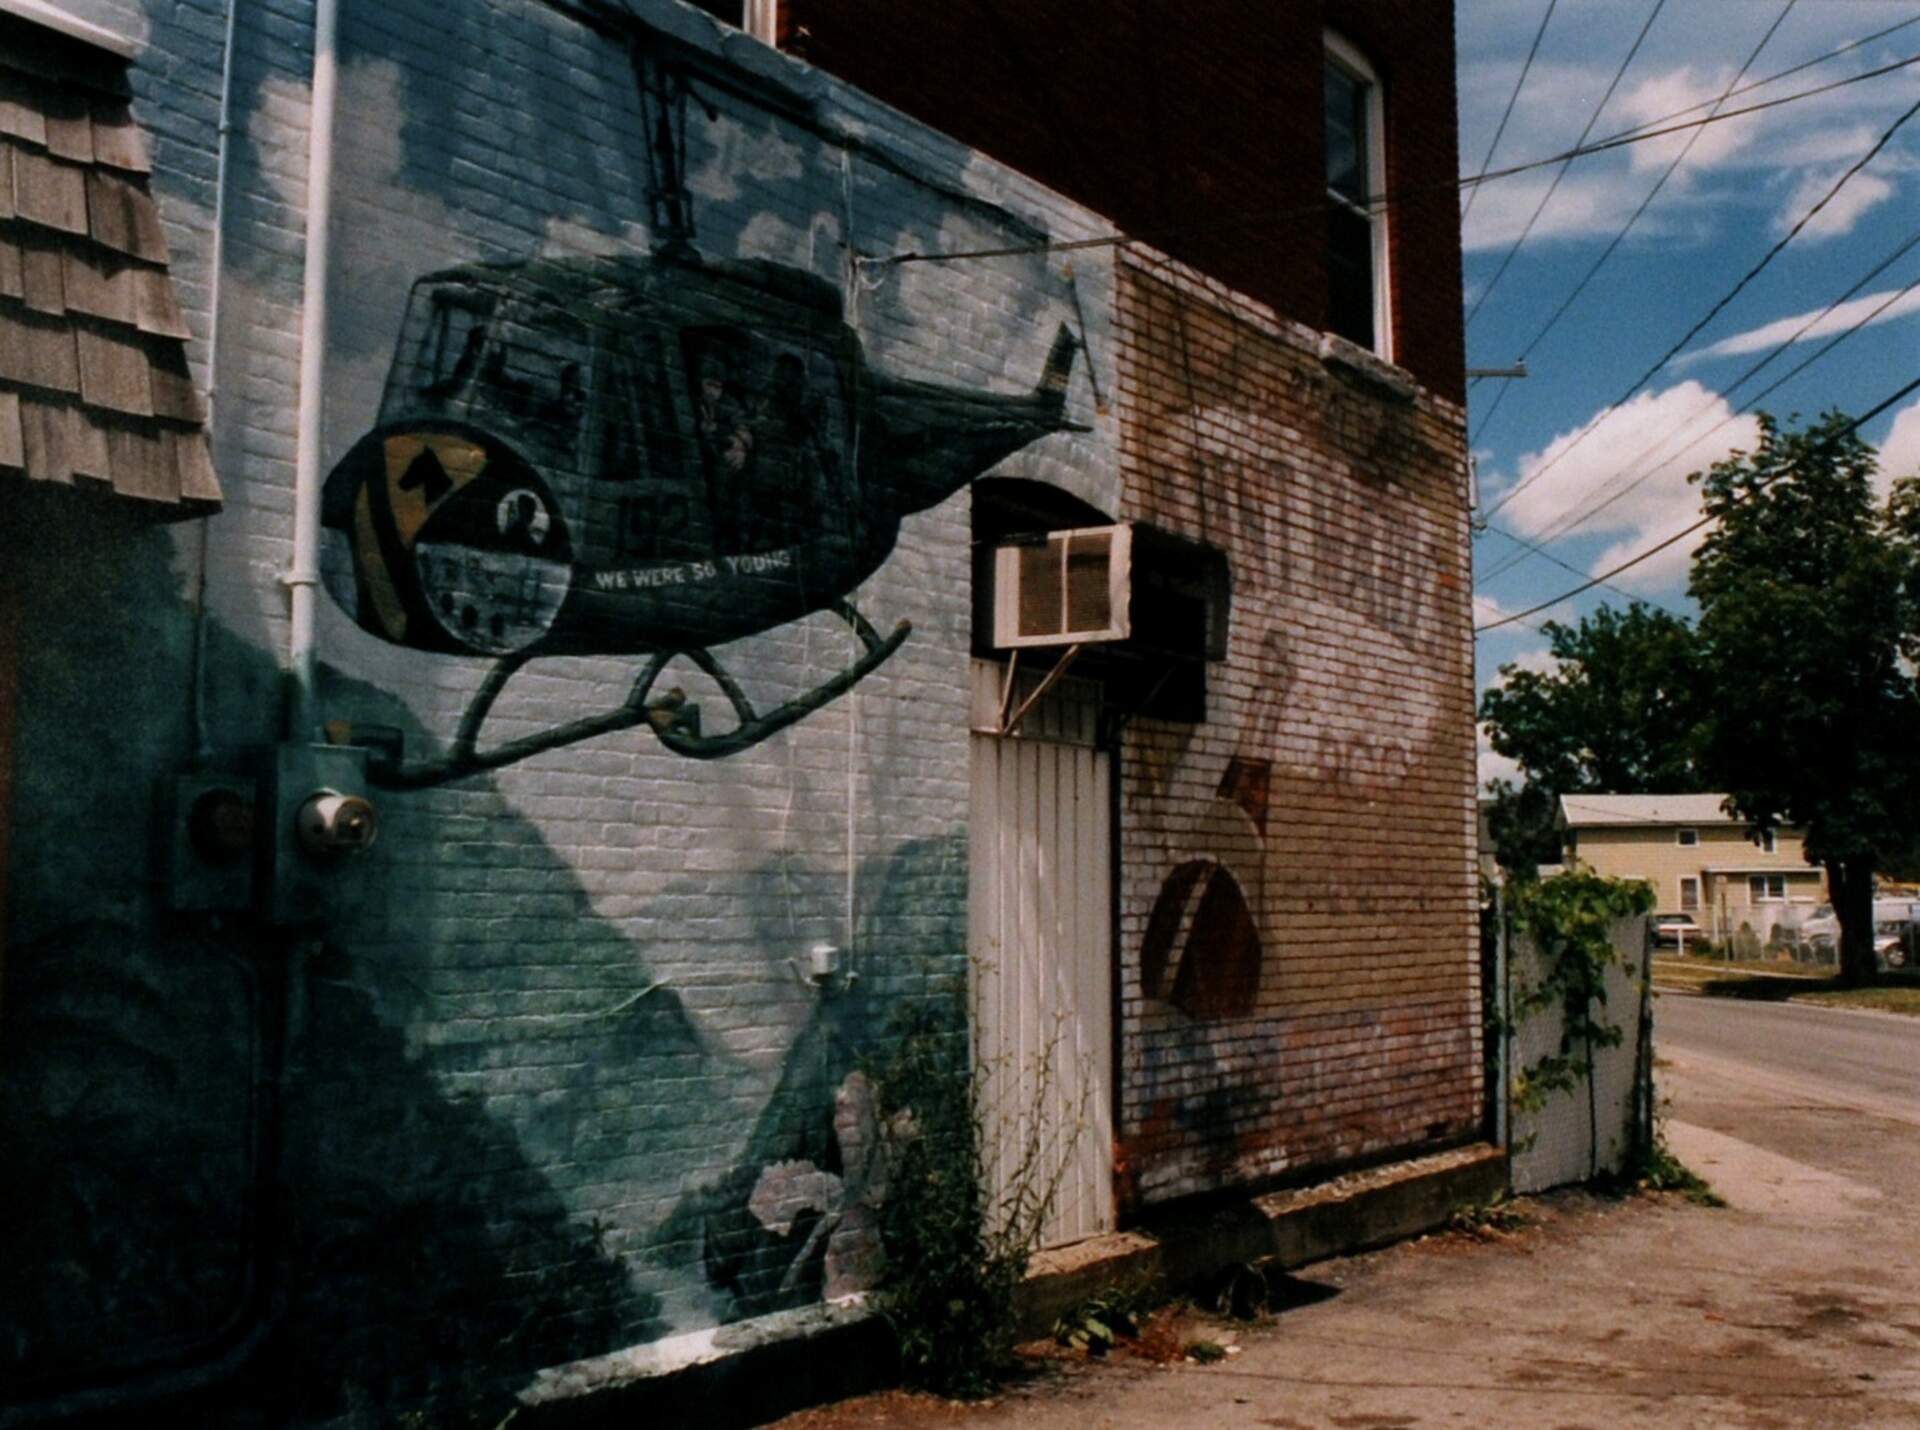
(647,455)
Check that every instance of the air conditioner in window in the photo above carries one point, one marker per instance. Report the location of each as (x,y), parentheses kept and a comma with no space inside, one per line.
(1064,588)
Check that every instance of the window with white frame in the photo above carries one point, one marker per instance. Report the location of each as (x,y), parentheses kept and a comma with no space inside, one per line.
(1689,894)
(759,18)
(1767,842)
(1357,286)
(1766,888)
(1686,838)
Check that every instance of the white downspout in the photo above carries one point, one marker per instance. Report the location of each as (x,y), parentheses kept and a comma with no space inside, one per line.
(303,577)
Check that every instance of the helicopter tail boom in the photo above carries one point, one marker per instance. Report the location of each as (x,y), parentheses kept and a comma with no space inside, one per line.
(933,440)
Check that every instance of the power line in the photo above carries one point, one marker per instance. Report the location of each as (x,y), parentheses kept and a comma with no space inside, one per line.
(1714,311)
(1569,567)
(1638,136)
(1775,385)
(1569,522)
(1626,228)
(1386,198)
(1852,426)
(1554,187)
(1785,239)
(1512,100)
(1776,76)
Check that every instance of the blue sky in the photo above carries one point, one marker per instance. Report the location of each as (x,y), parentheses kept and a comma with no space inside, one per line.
(1578,433)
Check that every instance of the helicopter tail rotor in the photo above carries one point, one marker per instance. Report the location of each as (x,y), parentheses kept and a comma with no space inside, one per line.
(1052,387)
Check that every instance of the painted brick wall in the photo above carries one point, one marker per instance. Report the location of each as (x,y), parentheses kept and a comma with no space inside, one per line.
(544,1086)
(1195,127)
(1297,888)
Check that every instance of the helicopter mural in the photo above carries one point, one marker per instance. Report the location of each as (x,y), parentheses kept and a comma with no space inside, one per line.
(649,455)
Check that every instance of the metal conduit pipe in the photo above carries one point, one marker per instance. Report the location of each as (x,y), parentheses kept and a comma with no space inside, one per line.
(303,577)
(201,750)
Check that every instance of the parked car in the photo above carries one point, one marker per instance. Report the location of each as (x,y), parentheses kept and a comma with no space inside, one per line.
(1675,930)
(1894,936)
(1820,934)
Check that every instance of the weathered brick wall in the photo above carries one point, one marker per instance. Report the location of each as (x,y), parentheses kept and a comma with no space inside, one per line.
(1297,899)
(1196,127)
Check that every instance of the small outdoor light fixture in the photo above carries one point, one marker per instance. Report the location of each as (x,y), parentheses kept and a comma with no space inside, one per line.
(330,824)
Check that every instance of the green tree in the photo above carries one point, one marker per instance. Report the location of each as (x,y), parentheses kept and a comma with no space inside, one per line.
(1523,820)
(1809,592)
(1619,714)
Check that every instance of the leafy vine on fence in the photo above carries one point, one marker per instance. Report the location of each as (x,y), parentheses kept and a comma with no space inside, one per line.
(1570,918)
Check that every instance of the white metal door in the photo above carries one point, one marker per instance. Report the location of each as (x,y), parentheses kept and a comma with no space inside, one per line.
(1041,935)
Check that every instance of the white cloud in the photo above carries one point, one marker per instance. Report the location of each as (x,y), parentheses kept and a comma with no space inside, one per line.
(1664,571)
(1638,455)
(1900,453)
(1828,146)
(1540,660)
(1858,196)
(1706,146)
(1858,310)
(1493,766)
(1488,609)
(1659,436)
(1583,205)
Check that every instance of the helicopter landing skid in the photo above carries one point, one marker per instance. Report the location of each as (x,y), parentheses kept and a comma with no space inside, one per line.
(683,737)
(674,721)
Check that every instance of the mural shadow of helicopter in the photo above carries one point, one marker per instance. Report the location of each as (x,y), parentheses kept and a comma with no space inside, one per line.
(649,454)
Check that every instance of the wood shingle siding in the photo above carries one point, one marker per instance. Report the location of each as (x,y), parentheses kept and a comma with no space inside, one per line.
(94,382)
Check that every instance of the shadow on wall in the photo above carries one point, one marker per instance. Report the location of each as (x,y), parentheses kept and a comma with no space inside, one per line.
(416,1208)
(159,1195)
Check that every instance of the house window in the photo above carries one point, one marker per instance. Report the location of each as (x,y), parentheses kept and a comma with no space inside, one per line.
(1766,888)
(1766,842)
(1686,838)
(1356,212)
(759,18)
(1689,895)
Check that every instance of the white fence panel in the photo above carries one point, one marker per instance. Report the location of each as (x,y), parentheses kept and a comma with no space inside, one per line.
(1578,1133)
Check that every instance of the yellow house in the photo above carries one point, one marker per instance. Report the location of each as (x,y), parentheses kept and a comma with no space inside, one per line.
(1699,859)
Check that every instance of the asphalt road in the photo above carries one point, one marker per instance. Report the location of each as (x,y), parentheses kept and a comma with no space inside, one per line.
(1865,1063)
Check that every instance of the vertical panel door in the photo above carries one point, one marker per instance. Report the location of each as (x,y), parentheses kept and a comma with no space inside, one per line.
(1040,927)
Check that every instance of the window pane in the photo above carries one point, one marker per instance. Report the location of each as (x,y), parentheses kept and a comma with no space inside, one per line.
(1350,276)
(1346,135)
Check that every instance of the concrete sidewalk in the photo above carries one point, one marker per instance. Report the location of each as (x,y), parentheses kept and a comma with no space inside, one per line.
(1797,1305)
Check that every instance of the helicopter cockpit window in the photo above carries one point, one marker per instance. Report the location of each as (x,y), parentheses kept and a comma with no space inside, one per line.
(534,367)
(440,345)
(770,421)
